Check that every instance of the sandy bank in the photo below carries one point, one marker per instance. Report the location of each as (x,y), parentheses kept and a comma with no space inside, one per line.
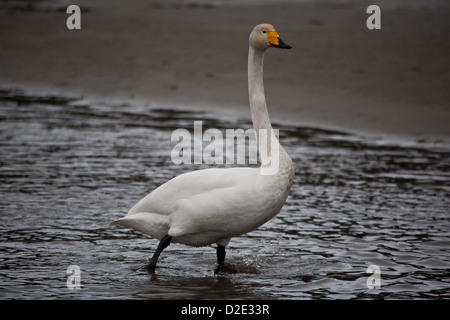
(392,81)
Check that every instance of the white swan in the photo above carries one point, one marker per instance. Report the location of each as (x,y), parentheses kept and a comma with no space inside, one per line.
(213,205)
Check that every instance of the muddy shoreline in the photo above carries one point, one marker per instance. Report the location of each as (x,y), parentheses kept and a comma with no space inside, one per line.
(340,75)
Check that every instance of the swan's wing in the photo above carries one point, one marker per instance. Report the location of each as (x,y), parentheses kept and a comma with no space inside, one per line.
(194,201)
(168,198)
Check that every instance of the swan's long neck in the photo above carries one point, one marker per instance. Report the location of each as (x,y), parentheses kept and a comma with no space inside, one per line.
(258,106)
(260,115)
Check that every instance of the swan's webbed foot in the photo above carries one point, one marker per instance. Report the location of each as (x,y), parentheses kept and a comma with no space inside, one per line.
(219,268)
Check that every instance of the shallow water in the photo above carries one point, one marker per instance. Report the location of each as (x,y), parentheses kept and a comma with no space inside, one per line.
(68,166)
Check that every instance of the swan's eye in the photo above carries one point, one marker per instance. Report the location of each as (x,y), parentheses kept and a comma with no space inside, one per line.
(264,31)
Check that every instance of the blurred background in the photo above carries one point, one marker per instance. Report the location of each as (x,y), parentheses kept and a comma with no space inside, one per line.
(339,74)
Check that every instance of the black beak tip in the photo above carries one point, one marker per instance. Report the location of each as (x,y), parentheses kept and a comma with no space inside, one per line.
(283,45)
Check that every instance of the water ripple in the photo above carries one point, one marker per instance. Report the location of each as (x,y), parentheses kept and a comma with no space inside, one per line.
(68,166)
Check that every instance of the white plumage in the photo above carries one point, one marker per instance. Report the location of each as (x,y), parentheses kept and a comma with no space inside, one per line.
(213,205)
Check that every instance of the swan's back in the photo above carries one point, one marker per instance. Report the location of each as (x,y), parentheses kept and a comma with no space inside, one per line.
(201,184)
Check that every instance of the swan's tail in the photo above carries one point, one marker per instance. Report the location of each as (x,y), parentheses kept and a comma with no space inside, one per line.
(154,224)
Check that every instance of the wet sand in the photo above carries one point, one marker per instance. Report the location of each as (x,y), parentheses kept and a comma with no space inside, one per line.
(339,74)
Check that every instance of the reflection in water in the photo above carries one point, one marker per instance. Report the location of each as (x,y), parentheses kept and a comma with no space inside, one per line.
(69,166)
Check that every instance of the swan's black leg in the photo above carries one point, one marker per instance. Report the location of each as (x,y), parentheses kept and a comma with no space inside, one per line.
(220,255)
(165,241)
(220,259)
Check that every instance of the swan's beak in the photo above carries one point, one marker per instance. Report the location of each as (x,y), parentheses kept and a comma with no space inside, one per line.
(275,41)
(282,44)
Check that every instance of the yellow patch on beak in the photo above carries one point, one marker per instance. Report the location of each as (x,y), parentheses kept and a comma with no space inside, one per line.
(272,36)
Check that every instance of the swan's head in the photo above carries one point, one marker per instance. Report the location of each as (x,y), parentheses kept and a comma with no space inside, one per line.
(264,36)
